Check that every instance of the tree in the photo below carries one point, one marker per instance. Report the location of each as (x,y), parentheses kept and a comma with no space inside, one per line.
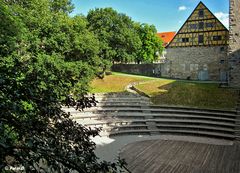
(151,43)
(9,38)
(36,71)
(119,40)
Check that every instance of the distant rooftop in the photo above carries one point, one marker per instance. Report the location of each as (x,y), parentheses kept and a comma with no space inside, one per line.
(166,37)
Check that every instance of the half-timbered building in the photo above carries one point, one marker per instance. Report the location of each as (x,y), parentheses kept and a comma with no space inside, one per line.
(199,49)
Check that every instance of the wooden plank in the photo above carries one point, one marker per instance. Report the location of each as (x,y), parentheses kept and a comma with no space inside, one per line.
(160,156)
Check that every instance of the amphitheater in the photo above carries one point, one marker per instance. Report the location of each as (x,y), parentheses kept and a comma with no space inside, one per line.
(163,139)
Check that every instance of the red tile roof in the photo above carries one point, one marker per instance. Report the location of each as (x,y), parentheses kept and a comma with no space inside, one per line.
(166,37)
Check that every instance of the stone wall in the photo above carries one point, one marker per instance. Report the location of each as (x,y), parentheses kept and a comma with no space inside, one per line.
(141,69)
(197,63)
(234,44)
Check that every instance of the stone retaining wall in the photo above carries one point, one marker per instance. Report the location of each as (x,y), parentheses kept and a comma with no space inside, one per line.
(153,70)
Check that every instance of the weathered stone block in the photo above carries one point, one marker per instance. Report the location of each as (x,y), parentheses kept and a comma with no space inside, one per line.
(198,63)
(234,44)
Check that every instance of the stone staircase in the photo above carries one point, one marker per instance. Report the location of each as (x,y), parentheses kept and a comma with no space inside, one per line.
(237,127)
(128,113)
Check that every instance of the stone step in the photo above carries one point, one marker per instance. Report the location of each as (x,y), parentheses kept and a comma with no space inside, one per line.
(123,98)
(142,100)
(115,122)
(136,108)
(167,126)
(93,122)
(237,128)
(237,122)
(141,117)
(110,123)
(116,94)
(237,132)
(183,109)
(167,115)
(142,130)
(195,123)
(198,127)
(194,117)
(206,122)
(115,104)
(140,108)
(130,132)
(194,109)
(129,127)
(175,132)
(85,117)
(124,114)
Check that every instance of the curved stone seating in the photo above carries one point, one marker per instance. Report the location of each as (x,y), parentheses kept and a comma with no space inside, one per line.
(224,130)
(199,127)
(121,103)
(173,115)
(175,132)
(133,108)
(127,113)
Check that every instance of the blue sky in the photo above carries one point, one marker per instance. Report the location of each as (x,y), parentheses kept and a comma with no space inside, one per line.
(166,15)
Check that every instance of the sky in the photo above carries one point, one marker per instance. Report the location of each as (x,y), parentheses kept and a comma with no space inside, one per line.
(165,15)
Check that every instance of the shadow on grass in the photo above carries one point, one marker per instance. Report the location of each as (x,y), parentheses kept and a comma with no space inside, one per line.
(199,95)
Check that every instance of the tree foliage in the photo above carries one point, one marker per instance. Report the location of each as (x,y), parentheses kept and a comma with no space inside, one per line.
(123,40)
(119,40)
(151,43)
(44,54)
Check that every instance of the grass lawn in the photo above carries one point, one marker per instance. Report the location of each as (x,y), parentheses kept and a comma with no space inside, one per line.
(191,94)
(115,83)
(171,92)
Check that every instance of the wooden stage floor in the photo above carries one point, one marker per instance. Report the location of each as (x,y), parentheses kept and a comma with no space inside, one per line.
(159,156)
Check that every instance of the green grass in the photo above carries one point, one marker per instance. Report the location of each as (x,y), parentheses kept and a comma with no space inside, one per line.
(171,92)
(190,94)
(115,83)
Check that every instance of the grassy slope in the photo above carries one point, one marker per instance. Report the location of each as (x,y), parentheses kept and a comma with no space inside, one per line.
(115,83)
(192,94)
(171,92)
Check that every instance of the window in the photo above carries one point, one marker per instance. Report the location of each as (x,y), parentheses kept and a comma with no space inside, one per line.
(222,61)
(201,13)
(200,39)
(200,25)
(222,49)
(185,40)
(193,26)
(217,37)
(209,25)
